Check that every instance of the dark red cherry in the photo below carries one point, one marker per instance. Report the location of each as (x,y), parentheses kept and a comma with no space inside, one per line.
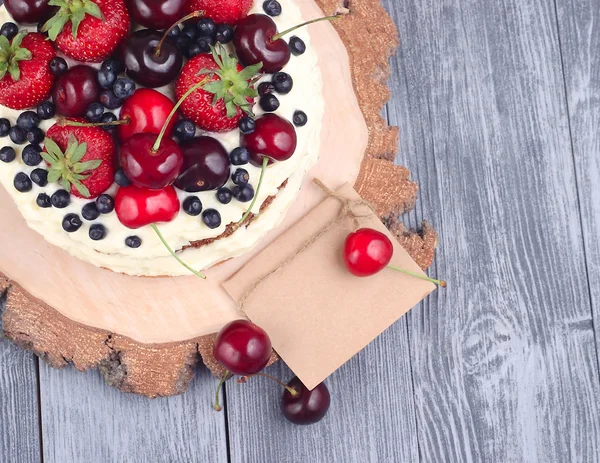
(147,111)
(307,407)
(150,166)
(144,65)
(29,11)
(75,91)
(206,165)
(157,14)
(253,44)
(243,348)
(274,137)
(367,252)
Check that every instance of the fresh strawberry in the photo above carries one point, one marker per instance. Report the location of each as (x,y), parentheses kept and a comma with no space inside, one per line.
(81,159)
(220,104)
(25,79)
(222,11)
(88,30)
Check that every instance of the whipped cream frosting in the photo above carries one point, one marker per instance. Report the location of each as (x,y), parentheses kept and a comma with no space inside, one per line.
(152,258)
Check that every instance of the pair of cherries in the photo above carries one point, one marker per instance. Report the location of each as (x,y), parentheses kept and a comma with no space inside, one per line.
(245,349)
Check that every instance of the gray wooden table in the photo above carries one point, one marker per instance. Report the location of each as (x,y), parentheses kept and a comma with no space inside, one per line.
(498,102)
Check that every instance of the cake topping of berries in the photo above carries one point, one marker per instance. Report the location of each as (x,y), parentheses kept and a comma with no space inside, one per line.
(25,78)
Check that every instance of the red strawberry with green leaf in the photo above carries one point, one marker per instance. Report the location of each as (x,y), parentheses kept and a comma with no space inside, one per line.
(81,159)
(25,79)
(221,103)
(222,11)
(88,30)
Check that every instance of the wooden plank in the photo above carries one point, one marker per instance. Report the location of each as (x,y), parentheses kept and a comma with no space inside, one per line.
(371,416)
(86,421)
(504,360)
(19,425)
(579,32)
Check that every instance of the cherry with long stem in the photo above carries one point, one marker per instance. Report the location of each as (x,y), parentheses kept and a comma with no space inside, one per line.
(312,21)
(195,14)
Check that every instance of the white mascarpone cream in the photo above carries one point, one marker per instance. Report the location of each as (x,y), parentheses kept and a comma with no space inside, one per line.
(152,258)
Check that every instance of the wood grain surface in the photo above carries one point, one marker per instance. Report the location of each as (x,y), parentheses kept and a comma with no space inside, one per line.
(498,105)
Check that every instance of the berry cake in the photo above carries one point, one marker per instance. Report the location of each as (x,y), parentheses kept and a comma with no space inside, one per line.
(155,138)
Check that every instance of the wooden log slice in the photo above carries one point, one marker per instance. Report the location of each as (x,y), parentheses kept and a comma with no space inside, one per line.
(148,334)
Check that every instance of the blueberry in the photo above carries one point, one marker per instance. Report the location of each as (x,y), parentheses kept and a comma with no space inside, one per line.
(206,27)
(211,218)
(269,103)
(109,100)
(247,125)
(224,195)
(105,204)
(43,201)
(174,33)
(192,205)
(193,50)
(182,43)
(46,110)
(39,177)
(300,119)
(61,199)
(97,232)
(106,118)
(107,78)
(240,177)
(7,154)
(190,32)
(244,193)
(283,83)
(124,88)
(94,112)
(9,30)
(31,155)
(272,7)
(121,178)
(205,43)
(4,127)
(17,135)
(90,211)
(133,242)
(184,130)
(113,65)
(239,156)
(35,136)
(265,88)
(58,66)
(71,223)
(297,46)
(28,120)
(22,182)
(224,33)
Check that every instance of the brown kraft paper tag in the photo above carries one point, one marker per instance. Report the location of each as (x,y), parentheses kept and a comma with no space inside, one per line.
(317,314)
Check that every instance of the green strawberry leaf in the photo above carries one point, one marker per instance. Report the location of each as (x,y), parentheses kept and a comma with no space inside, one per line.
(11,53)
(67,167)
(70,11)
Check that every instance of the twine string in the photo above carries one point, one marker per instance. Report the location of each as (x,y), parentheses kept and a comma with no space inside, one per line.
(347,210)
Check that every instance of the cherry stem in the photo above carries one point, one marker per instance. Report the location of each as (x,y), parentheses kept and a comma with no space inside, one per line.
(291,390)
(292,29)
(161,135)
(441,283)
(225,377)
(265,163)
(162,238)
(66,122)
(195,14)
